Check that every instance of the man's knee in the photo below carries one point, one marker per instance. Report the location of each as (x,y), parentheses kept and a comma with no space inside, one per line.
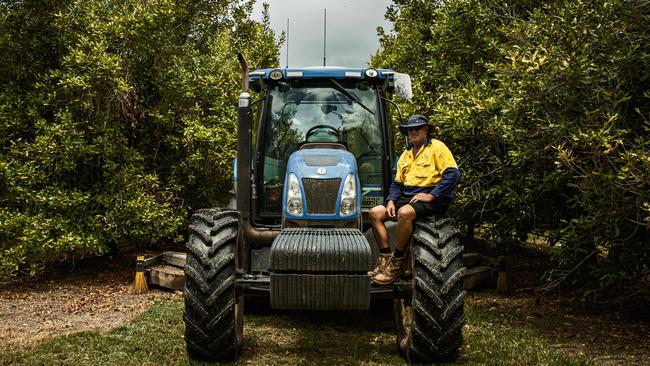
(406,212)
(376,213)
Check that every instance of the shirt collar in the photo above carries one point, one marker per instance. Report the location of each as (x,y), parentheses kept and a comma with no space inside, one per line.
(410,144)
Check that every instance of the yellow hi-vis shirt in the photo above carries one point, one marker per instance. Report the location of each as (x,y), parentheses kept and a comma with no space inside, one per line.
(421,173)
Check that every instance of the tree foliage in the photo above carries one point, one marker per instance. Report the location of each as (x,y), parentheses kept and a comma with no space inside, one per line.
(546,106)
(117,118)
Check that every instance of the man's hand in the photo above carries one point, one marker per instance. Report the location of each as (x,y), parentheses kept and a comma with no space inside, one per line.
(390,209)
(422,197)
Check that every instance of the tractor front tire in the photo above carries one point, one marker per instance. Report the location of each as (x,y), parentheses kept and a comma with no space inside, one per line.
(213,311)
(429,322)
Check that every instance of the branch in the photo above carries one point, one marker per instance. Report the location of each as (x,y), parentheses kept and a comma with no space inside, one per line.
(553,285)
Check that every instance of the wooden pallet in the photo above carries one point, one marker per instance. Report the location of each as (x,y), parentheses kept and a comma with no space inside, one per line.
(166,270)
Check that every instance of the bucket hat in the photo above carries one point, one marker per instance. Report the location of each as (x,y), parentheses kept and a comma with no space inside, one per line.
(415,120)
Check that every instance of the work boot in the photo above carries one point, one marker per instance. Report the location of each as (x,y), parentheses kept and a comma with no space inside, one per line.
(382,262)
(393,271)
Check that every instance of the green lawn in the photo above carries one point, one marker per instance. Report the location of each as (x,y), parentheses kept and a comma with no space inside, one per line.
(492,337)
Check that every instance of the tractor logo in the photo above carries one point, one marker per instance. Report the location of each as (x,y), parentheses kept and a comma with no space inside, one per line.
(321,171)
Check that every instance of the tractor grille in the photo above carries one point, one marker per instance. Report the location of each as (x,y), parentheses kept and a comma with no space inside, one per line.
(321,195)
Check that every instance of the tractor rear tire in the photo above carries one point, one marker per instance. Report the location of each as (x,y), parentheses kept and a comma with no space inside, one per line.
(213,311)
(429,322)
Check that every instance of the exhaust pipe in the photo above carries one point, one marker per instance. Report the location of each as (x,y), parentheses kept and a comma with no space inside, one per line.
(244,133)
(244,67)
(260,236)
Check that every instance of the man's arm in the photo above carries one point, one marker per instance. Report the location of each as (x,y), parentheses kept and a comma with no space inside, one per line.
(395,191)
(450,178)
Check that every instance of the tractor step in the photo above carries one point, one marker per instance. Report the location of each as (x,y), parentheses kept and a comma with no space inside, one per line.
(260,286)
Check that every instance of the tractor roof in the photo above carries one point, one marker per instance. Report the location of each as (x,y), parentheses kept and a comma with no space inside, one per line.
(322,72)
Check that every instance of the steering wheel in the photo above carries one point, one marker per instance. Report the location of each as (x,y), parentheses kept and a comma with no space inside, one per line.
(329,129)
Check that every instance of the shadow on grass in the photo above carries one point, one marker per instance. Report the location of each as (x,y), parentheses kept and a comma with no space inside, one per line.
(320,337)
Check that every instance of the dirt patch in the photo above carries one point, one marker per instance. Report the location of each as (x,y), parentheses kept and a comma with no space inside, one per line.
(96,295)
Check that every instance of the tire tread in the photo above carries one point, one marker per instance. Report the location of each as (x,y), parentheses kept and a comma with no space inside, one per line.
(437,318)
(211,329)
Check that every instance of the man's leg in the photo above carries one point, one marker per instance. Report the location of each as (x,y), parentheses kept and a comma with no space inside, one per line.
(405,218)
(397,263)
(378,215)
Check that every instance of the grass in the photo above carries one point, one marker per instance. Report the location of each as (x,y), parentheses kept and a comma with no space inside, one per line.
(492,337)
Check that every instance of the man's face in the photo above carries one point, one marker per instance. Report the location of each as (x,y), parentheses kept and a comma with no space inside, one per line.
(418,135)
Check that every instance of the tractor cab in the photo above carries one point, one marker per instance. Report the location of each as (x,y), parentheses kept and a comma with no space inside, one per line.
(323,146)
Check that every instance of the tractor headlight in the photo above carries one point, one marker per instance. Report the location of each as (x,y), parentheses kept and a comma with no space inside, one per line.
(349,196)
(276,75)
(371,73)
(294,196)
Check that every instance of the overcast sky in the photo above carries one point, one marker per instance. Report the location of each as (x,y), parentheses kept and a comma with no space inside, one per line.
(351,30)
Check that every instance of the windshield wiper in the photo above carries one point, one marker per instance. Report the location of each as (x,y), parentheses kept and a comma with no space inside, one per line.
(347,94)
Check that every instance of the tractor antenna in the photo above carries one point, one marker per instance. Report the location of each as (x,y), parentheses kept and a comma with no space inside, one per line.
(287,43)
(325,37)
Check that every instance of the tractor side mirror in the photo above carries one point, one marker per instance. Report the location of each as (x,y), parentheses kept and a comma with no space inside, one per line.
(403,88)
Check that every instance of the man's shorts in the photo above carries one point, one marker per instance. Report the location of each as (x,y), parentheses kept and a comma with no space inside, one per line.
(422,209)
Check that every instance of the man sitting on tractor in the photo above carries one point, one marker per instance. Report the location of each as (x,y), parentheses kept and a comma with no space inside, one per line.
(426,176)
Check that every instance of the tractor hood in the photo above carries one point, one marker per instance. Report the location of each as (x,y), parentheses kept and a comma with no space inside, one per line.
(321,174)
(322,163)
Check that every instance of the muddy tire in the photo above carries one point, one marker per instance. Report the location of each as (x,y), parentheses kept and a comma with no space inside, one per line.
(213,312)
(429,323)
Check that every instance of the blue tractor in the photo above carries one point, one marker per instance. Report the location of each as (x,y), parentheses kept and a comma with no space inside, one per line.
(315,153)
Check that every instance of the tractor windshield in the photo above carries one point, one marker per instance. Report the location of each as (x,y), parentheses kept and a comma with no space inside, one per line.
(325,110)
